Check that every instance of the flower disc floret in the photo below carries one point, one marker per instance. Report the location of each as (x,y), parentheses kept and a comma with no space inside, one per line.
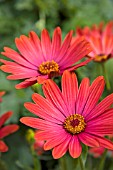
(74,124)
(49,67)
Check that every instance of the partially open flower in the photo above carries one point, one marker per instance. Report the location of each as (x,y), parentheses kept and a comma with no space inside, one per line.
(71,117)
(44,58)
(101,40)
(6,130)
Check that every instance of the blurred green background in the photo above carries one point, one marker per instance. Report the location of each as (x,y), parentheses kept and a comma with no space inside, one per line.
(21,16)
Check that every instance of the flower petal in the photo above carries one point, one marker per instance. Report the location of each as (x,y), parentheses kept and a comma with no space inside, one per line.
(3,147)
(75,148)
(61,149)
(88,139)
(70,89)
(4,117)
(54,96)
(95,92)
(82,95)
(7,130)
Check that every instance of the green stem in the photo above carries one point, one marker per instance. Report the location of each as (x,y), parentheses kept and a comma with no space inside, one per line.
(102,161)
(106,77)
(37,165)
(81,163)
(63,163)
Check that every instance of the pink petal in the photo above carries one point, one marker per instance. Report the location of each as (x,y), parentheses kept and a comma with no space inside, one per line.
(45,105)
(47,134)
(3,147)
(75,148)
(70,89)
(54,95)
(56,43)
(61,149)
(95,92)
(47,114)
(25,84)
(7,130)
(4,117)
(101,107)
(105,143)
(17,57)
(40,124)
(37,45)
(25,49)
(57,140)
(64,47)
(88,139)
(76,52)
(46,45)
(82,95)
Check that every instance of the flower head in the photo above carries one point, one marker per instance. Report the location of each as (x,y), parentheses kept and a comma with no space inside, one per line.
(71,117)
(100,39)
(43,58)
(1,94)
(6,130)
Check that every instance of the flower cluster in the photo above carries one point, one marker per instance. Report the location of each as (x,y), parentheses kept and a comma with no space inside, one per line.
(70,117)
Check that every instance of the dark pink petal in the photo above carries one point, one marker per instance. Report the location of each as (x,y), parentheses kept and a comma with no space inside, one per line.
(70,90)
(46,45)
(24,48)
(56,43)
(82,95)
(75,148)
(25,84)
(49,113)
(54,96)
(18,69)
(78,65)
(40,124)
(49,134)
(88,139)
(95,92)
(76,52)
(64,47)
(45,105)
(37,45)
(4,117)
(105,143)
(101,107)
(57,140)
(17,57)
(7,130)
(61,149)
(8,63)
(3,147)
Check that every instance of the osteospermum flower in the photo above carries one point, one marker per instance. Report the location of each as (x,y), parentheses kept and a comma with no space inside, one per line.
(43,58)
(71,117)
(1,94)
(6,130)
(101,40)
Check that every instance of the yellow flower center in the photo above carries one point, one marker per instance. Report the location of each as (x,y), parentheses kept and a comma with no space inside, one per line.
(49,67)
(74,124)
(100,58)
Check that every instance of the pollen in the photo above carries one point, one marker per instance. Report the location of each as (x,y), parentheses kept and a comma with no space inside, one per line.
(49,67)
(100,58)
(74,124)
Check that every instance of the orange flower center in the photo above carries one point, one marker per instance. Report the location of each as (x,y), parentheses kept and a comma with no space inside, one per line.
(74,124)
(100,57)
(49,67)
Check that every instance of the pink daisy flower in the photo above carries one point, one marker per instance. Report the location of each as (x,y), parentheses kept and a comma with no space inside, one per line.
(6,130)
(71,117)
(42,57)
(101,40)
(1,94)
